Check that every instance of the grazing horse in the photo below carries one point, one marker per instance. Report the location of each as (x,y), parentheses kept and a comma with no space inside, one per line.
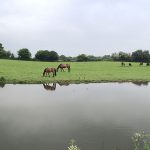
(141,63)
(122,64)
(49,87)
(62,66)
(147,64)
(130,64)
(47,71)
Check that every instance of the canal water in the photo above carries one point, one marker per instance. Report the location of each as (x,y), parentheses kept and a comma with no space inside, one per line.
(99,116)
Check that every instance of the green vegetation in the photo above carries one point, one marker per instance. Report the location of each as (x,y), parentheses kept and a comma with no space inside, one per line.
(24,54)
(46,55)
(73,146)
(141,141)
(15,71)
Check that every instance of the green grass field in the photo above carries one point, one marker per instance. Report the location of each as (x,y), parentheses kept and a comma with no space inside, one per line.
(15,71)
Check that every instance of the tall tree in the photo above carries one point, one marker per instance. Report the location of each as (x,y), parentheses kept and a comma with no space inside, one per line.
(3,53)
(53,56)
(141,56)
(82,57)
(24,54)
(45,55)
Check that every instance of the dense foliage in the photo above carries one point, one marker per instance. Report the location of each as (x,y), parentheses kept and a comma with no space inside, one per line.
(46,55)
(24,54)
(4,53)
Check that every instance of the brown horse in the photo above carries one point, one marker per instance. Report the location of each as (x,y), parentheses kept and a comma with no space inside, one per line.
(50,87)
(62,66)
(122,64)
(47,71)
(141,64)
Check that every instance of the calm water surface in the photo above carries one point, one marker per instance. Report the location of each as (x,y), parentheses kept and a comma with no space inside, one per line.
(100,116)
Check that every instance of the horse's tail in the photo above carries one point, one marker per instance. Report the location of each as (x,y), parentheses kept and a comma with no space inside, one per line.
(55,72)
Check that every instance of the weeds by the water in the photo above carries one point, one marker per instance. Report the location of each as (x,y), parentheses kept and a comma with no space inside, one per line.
(73,146)
(2,82)
(141,141)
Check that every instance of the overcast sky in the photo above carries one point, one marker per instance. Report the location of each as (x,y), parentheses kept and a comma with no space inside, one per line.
(73,27)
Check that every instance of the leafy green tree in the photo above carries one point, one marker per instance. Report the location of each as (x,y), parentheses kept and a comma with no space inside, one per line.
(62,58)
(3,53)
(91,58)
(121,56)
(115,56)
(124,56)
(141,56)
(107,58)
(137,56)
(24,54)
(82,57)
(146,56)
(53,56)
(1,46)
(45,55)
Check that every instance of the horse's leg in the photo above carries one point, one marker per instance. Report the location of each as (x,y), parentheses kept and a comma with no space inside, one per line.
(69,69)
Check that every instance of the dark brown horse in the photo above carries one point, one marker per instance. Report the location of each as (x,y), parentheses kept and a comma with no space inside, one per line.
(62,66)
(52,87)
(122,64)
(47,71)
(141,64)
(130,64)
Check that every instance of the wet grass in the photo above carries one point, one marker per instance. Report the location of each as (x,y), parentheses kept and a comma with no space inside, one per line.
(14,71)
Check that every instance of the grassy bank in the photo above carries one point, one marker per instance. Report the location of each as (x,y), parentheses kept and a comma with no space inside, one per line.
(14,71)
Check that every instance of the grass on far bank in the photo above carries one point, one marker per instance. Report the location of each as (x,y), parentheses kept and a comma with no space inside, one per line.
(15,71)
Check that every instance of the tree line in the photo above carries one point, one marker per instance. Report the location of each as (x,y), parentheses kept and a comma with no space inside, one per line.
(46,55)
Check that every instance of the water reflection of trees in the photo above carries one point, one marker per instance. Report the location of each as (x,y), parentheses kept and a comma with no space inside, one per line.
(2,85)
(141,83)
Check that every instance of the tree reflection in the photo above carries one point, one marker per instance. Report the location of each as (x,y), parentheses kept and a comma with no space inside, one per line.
(141,83)
(2,85)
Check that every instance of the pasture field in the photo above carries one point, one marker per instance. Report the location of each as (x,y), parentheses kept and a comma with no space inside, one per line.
(15,71)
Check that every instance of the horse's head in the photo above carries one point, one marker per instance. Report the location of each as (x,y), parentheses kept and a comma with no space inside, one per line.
(59,66)
(44,72)
(57,69)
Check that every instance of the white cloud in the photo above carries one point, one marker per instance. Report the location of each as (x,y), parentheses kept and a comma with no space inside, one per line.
(71,26)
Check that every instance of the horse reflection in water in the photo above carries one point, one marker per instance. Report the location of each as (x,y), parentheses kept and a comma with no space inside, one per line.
(49,87)
(52,87)
(62,66)
(63,83)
